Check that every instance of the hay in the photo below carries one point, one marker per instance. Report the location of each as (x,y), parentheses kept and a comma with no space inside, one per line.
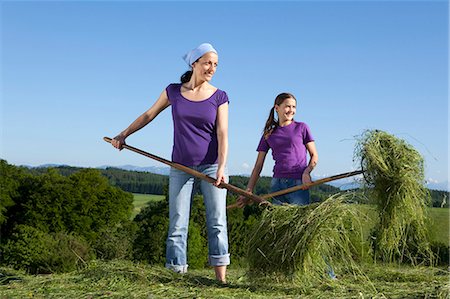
(394,175)
(298,241)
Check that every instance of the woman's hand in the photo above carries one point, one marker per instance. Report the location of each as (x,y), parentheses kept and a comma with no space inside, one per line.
(118,141)
(220,176)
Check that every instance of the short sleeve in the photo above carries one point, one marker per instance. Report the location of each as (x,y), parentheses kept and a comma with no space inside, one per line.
(263,146)
(222,98)
(307,136)
(170,89)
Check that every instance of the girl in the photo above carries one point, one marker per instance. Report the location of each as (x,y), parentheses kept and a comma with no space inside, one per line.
(289,141)
(200,120)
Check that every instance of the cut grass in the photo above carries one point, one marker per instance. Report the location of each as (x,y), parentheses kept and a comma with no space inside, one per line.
(124,279)
(303,241)
(394,173)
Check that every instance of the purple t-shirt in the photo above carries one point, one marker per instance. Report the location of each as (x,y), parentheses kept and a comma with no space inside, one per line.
(195,137)
(288,146)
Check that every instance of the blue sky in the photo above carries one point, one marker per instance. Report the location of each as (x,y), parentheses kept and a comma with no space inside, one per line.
(73,72)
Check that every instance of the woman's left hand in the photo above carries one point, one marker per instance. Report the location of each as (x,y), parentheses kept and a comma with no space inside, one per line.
(220,177)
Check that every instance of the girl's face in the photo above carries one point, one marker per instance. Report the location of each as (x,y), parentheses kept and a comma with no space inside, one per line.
(286,110)
(205,67)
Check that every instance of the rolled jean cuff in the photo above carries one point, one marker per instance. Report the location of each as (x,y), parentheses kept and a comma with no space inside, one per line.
(219,260)
(177,268)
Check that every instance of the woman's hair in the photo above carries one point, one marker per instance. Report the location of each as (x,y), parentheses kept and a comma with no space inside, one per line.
(186,77)
(271,123)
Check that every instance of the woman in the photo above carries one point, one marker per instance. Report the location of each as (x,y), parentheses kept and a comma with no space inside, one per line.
(289,141)
(200,118)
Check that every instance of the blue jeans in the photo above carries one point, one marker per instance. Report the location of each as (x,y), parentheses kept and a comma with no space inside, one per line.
(181,186)
(300,197)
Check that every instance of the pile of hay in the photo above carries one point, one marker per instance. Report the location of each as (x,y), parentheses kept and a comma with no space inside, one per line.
(302,241)
(394,174)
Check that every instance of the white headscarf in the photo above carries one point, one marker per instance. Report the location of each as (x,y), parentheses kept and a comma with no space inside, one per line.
(191,56)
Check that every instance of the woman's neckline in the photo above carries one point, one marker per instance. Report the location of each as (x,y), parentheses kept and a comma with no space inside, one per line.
(196,101)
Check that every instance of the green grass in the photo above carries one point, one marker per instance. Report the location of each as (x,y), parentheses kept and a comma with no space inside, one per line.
(140,200)
(438,225)
(124,279)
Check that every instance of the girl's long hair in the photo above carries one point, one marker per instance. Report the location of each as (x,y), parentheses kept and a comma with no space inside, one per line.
(272,123)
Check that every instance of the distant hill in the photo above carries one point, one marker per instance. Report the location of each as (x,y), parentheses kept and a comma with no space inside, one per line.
(152,169)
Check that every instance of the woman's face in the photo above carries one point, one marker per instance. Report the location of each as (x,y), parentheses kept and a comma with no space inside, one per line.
(205,67)
(286,110)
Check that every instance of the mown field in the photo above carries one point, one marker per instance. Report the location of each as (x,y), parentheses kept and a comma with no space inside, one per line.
(125,279)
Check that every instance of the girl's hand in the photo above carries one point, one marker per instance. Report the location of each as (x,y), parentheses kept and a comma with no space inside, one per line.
(118,141)
(220,176)
(242,201)
(306,178)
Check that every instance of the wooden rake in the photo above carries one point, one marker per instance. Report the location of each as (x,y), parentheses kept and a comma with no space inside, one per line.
(262,200)
(195,173)
(305,186)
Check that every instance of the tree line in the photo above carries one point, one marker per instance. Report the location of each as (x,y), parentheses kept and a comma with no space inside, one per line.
(149,183)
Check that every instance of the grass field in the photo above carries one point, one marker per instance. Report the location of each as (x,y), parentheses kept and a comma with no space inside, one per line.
(439,225)
(124,279)
(140,200)
(438,222)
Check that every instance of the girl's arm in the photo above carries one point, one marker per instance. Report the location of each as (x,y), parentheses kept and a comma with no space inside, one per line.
(222,138)
(242,200)
(313,159)
(160,104)
(259,164)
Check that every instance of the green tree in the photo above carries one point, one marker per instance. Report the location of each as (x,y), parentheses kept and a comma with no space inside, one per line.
(9,185)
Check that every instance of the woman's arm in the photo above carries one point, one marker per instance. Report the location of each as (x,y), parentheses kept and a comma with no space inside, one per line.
(222,139)
(313,159)
(160,104)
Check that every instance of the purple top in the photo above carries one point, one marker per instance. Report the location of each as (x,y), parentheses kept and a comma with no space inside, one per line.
(194,123)
(288,146)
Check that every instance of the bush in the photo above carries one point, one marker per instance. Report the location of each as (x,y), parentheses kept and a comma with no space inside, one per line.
(83,204)
(115,242)
(153,224)
(38,252)
(197,251)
